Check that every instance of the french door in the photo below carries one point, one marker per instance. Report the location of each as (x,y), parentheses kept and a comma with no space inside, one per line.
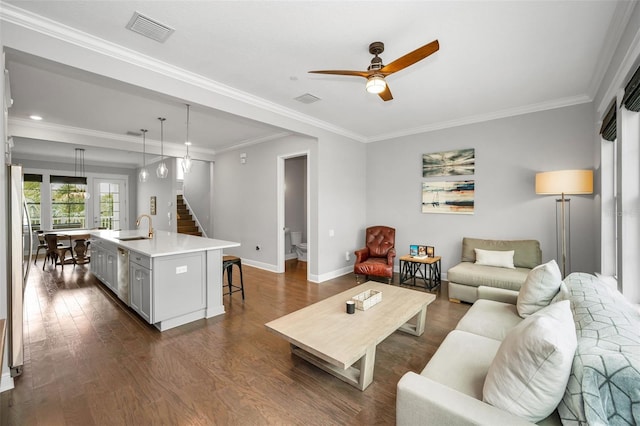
(110,203)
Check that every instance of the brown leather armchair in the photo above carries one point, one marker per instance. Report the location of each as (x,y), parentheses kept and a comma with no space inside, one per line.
(376,258)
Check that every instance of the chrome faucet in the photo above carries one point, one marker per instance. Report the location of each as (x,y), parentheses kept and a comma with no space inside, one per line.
(150,228)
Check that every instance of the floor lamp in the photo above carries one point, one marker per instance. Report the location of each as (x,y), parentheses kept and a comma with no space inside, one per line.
(564,182)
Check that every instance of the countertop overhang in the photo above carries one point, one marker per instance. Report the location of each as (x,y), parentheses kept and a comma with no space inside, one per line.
(163,243)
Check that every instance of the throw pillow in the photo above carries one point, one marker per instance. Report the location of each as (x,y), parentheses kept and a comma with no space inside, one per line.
(540,286)
(563,293)
(501,259)
(530,371)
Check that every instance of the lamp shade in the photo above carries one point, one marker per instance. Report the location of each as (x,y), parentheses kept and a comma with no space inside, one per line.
(564,182)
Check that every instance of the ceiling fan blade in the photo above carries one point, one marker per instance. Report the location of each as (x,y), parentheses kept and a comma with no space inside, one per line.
(364,74)
(411,58)
(386,94)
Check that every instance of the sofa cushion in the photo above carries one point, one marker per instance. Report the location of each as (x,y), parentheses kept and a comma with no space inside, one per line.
(540,287)
(462,361)
(489,318)
(499,259)
(530,371)
(476,275)
(606,369)
(527,252)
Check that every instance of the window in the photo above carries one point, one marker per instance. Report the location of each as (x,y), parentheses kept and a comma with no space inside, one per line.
(68,202)
(32,196)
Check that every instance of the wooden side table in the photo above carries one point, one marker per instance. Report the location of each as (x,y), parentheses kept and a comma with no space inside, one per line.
(426,268)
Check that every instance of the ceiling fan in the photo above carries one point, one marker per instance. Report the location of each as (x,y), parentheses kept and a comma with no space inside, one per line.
(377,71)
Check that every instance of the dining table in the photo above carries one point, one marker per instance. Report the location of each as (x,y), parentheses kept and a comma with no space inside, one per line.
(77,236)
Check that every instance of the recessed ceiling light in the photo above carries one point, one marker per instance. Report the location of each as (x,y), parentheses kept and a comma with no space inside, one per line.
(35,117)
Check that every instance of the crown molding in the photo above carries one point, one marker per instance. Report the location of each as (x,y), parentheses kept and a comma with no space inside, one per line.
(15,15)
(527,109)
(618,25)
(254,141)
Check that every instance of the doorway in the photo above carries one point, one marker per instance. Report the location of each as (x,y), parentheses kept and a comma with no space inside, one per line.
(110,204)
(293,214)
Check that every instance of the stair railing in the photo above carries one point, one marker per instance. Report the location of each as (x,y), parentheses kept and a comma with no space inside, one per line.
(195,218)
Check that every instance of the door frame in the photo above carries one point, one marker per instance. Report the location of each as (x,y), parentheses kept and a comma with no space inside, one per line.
(124,196)
(281,210)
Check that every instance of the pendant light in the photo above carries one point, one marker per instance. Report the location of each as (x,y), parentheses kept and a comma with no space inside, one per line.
(162,171)
(79,166)
(186,160)
(144,174)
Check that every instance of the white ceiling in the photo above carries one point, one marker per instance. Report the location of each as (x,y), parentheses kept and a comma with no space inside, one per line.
(496,58)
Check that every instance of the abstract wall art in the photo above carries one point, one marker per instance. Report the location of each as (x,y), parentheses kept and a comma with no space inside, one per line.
(455,197)
(449,163)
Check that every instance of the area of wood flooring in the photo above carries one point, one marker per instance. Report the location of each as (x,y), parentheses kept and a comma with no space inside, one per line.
(89,360)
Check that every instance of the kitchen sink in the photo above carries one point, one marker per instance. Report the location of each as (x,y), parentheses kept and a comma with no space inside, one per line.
(138,237)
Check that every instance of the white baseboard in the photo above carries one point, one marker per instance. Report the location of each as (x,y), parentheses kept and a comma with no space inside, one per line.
(331,275)
(260,265)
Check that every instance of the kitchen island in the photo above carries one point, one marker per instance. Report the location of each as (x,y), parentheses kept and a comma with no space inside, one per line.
(169,280)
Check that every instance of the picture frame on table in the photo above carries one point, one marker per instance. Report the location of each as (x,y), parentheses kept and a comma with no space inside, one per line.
(413,250)
(431,251)
(422,251)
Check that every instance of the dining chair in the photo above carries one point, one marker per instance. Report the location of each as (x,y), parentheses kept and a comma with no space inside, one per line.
(56,252)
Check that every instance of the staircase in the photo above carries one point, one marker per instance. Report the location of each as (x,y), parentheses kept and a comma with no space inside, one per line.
(186,224)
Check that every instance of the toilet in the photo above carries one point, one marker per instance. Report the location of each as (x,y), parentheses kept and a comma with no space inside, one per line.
(301,248)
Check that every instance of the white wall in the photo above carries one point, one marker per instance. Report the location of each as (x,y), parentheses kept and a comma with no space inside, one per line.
(509,152)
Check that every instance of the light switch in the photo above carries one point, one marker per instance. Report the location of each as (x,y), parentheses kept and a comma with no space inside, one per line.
(331,232)
(181,269)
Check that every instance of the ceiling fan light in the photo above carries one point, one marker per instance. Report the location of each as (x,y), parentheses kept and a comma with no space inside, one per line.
(376,84)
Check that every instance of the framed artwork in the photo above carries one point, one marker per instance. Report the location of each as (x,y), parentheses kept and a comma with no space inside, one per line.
(413,250)
(152,205)
(456,197)
(422,251)
(431,252)
(449,163)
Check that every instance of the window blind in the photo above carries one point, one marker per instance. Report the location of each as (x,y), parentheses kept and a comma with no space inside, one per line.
(72,180)
(609,125)
(631,98)
(29,177)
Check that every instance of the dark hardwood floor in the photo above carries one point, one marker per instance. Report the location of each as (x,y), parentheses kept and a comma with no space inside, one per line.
(89,360)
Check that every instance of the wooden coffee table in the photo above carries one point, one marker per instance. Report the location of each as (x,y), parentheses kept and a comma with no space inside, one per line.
(326,336)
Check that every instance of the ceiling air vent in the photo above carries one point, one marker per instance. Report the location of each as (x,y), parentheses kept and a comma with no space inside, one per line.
(307,98)
(149,27)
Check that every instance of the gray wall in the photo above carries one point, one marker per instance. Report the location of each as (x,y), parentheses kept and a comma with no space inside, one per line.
(165,193)
(509,152)
(295,204)
(197,190)
(245,198)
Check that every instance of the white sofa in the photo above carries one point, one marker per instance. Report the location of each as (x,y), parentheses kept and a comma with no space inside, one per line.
(450,388)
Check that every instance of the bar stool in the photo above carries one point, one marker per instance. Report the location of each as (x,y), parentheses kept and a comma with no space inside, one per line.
(227,265)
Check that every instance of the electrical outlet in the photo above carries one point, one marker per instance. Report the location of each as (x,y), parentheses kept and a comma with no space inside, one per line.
(181,269)
(347,256)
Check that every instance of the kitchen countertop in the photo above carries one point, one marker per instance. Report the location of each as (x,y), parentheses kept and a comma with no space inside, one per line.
(163,243)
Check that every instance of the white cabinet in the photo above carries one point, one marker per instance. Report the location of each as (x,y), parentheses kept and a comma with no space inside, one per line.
(104,263)
(140,288)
